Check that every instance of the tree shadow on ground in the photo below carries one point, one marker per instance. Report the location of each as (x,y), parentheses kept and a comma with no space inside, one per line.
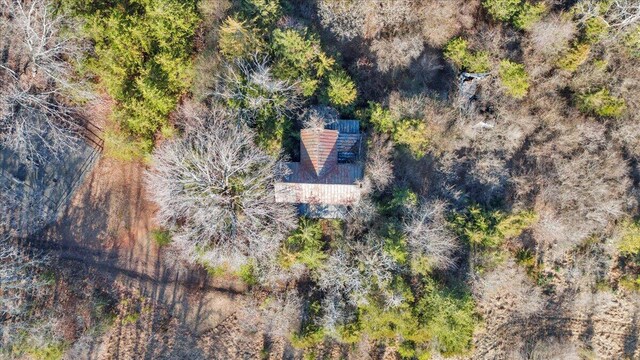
(104,234)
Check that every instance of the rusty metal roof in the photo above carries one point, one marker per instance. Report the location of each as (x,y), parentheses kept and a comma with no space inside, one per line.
(339,174)
(318,178)
(327,194)
(318,150)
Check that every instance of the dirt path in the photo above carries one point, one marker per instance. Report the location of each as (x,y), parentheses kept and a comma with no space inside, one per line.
(106,227)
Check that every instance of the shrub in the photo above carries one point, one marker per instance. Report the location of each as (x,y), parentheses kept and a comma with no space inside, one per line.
(380,118)
(299,58)
(576,56)
(632,42)
(142,56)
(458,52)
(237,39)
(502,10)
(601,103)
(304,246)
(410,133)
(126,148)
(489,228)
(528,15)
(395,244)
(449,317)
(161,237)
(594,29)
(514,78)
(264,12)
(629,243)
(413,134)
(402,197)
(521,14)
(247,273)
(310,333)
(441,320)
(341,91)
(630,282)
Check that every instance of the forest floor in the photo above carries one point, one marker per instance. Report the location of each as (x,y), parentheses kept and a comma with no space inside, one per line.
(106,230)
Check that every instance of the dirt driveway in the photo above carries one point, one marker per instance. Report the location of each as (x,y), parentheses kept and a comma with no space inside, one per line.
(107,227)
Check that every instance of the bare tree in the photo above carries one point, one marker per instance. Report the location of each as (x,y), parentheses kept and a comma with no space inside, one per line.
(379,166)
(18,279)
(617,14)
(34,120)
(584,179)
(318,117)
(215,190)
(21,210)
(551,35)
(250,87)
(278,314)
(508,287)
(429,236)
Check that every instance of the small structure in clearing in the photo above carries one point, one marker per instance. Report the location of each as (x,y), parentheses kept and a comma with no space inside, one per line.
(327,179)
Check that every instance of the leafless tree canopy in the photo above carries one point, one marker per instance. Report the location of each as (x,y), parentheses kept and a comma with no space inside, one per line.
(214,187)
(251,85)
(379,165)
(35,120)
(18,279)
(397,29)
(429,236)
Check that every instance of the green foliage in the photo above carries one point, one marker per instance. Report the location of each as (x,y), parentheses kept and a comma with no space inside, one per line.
(629,243)
(514,78)
(349,333)
(412,134)
(457,50)
(502,10)
(124,147)
(402,197)
(489,228)
(449,316)
(131,318)
(264,12)
(440,319)
(528,15)
(272,126)
(513,225)
(601,103)
(161,237)
(238,39)
(247,273)
(300,58)
(630,282)
(50,351)
(632,42)
(521,14)
(395,244)
(380,118)
(304,246)
(310,334)
(142,56)
(576,56)
(594,30)
(341,90)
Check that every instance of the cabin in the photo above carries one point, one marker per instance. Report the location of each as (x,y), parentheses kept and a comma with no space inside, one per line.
(327,179)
